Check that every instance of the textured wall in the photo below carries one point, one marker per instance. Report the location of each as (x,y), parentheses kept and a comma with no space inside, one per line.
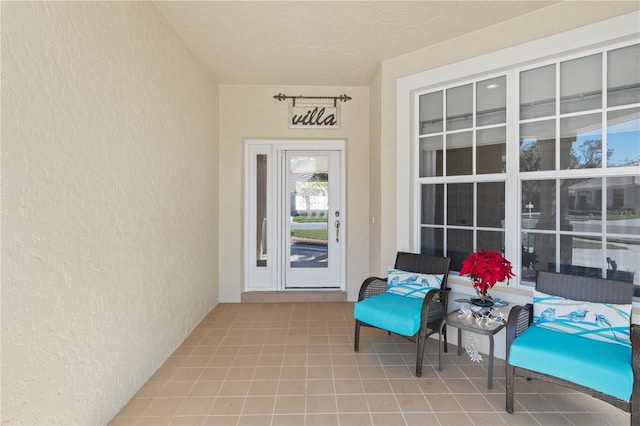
(109,205)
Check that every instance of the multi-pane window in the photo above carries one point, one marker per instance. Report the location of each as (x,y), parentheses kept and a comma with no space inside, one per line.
(462,160)
(563,138)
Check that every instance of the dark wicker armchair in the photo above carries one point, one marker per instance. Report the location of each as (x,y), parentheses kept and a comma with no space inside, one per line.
(434,306)
(584,289)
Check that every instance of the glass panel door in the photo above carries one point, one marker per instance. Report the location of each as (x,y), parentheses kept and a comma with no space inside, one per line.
(314,223)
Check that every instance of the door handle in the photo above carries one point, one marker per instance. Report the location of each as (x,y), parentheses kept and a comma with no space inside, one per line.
(337,231)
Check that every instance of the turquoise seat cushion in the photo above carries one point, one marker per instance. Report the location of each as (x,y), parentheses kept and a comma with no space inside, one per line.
(392,312)
(603,366)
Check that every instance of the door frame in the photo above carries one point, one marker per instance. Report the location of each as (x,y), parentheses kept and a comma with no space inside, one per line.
(272,276)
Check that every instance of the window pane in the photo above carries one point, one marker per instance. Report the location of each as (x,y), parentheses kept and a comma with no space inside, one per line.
(432,241)
(538,92)
(623,137)
(491,101)
(489,240)
(622,256)
(542,253)
(582,209)
(431,113)
(459,246)
(623,205)
(460,204)
(538,204)
(581,84)
(459,107)
(581,142)
(431,156)
(261,210)
(459,154)
(537,146)
(623,76)
(491,205)
(529,257)
(581,255)
(491,150)
(432,204)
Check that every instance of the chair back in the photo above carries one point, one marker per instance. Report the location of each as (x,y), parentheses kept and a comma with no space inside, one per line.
(588,289)
(423,264)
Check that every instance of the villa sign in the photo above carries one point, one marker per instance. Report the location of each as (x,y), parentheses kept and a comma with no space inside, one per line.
(314,116)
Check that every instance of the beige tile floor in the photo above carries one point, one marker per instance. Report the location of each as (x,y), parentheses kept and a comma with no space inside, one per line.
(294,364)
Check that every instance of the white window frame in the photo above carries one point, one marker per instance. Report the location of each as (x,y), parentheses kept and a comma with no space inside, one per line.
(620,30)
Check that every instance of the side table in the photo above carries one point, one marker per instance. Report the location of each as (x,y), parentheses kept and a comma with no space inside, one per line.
(474,325)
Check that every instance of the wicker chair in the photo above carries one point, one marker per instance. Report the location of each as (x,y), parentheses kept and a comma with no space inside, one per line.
(577,288)
(434,305)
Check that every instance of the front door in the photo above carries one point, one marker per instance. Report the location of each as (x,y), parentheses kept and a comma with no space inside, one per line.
(312,216)
(294,215)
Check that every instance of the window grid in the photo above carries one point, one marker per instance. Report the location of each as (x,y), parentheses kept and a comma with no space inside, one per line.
(565,238)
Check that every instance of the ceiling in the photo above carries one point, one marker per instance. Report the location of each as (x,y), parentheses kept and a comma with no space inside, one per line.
(330,43)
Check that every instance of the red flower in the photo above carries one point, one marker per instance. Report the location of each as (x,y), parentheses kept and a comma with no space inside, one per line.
(486,268)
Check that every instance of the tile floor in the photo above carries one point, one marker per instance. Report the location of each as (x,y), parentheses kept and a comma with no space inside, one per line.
(294,364)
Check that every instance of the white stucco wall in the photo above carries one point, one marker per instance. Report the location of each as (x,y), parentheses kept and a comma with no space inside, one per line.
(251,112)
(109,205)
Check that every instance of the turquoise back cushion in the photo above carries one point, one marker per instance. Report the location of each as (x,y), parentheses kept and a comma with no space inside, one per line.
(412,284)
(599,321)
(595,364)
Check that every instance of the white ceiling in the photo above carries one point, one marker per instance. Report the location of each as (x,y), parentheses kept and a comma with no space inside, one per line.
(336,43)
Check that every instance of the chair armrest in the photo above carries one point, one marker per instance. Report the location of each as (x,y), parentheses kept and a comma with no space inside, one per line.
(372,286)
(432,311)
(520,317)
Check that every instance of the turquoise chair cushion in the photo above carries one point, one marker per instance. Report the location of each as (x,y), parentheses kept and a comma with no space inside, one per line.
(391,312)
(605,367)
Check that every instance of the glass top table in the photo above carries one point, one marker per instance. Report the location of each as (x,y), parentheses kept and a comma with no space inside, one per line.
(475,324)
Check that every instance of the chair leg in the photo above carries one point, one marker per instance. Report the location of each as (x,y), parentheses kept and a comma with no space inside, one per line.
(356,346)
(420,356)
(444,336)
(510,371)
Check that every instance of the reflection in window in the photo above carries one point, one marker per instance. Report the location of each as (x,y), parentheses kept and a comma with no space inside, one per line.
(431,113)
(432,206)
(584,93)
(581,142)
(459,245)
(582,206)
(491,150)
(431,156)
(460,204)
(491,101)
(538,146)
(460,107)
(538,92)
(459,154)
(623,76)
(490,204)
(539,201)
(432,241)
(623,137)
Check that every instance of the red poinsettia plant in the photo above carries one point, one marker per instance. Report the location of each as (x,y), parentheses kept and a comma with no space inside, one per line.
(486,268)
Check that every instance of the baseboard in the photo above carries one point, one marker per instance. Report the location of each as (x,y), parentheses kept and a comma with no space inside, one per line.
(293,296)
